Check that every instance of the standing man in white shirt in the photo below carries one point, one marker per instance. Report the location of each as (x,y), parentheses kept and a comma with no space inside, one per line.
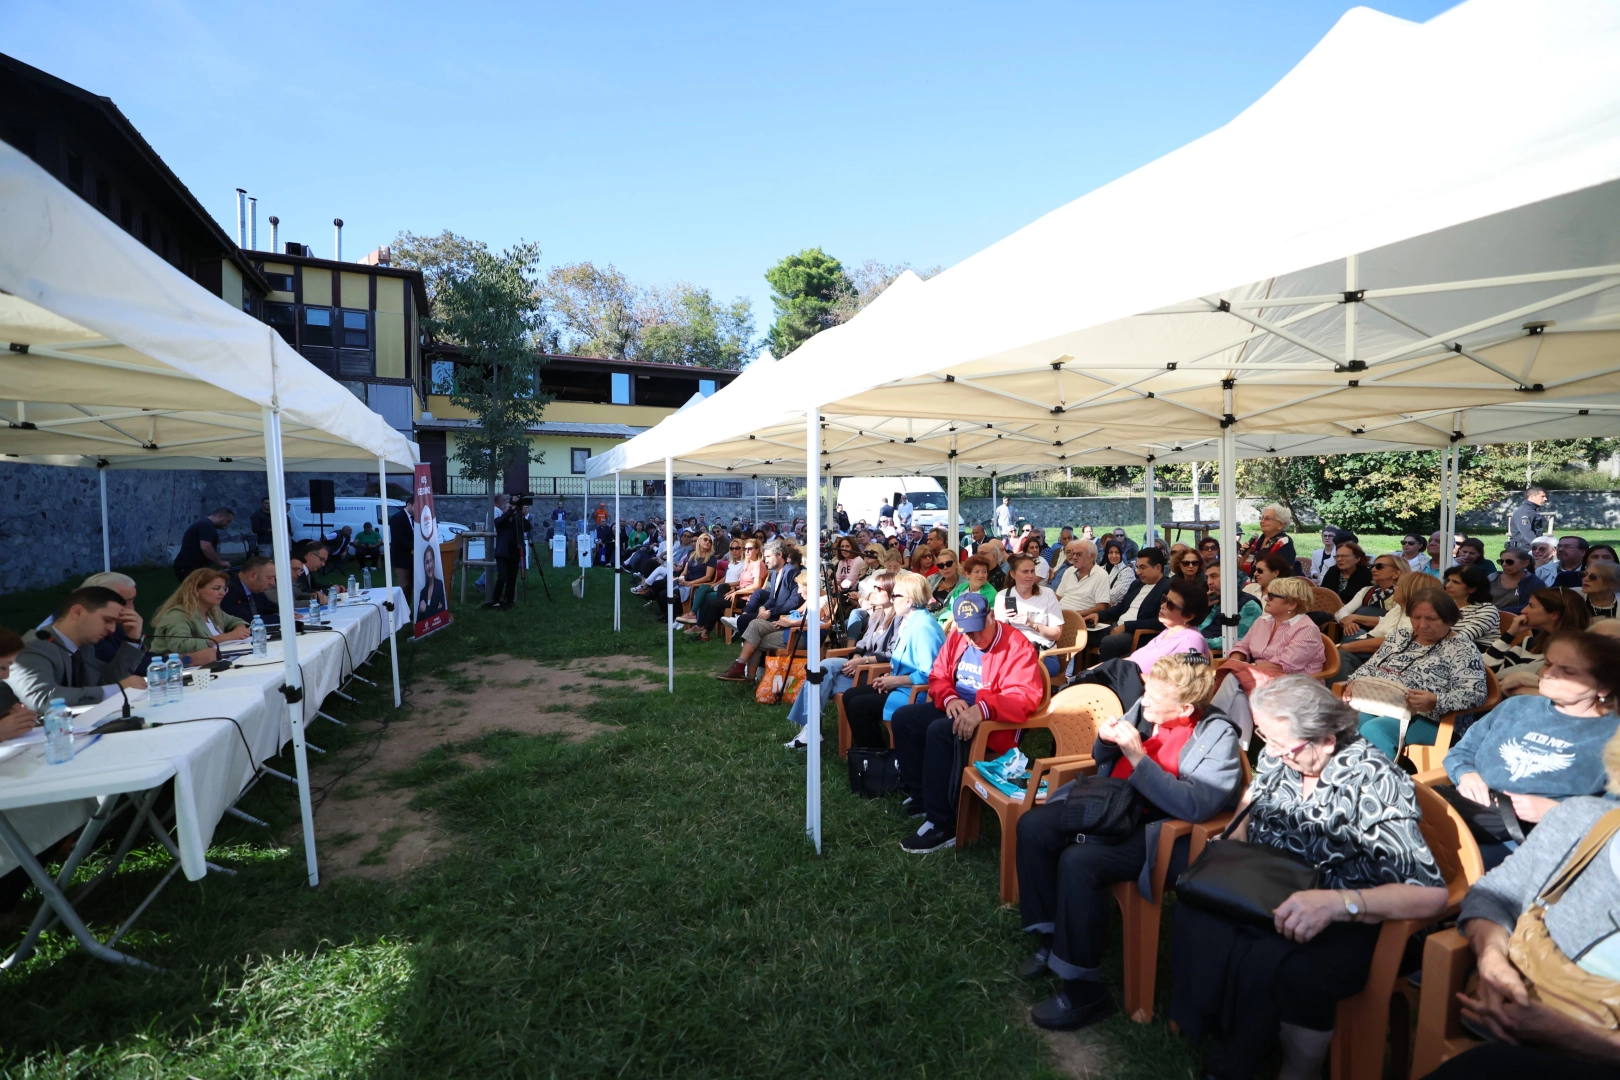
(1004,517)
(902,512)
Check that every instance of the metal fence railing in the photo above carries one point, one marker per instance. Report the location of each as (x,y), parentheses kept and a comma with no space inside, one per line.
(561,486)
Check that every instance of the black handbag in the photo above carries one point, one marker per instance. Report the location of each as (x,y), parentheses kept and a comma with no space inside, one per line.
(1244,881)
(1493,824)
(873,772)
(1100,810)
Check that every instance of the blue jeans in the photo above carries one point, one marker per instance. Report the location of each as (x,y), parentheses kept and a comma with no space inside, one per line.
(855,625)
(1383,731)
(836,683)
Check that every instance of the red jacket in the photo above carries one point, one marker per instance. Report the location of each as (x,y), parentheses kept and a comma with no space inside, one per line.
(1012,676)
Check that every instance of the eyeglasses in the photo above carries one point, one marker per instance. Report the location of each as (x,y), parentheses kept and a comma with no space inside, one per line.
(1189,562)
(1289,752)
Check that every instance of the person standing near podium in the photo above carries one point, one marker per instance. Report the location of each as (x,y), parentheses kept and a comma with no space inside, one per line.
(510,525)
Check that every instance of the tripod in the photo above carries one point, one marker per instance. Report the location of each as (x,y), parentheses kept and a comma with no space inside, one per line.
(540,566)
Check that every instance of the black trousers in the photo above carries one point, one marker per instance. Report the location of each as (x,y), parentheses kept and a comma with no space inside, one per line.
(931,760)
(1240,982)
(863,706)
(506,573)
(1114,646)
(1063,886)
(714,606)
(1499,1061)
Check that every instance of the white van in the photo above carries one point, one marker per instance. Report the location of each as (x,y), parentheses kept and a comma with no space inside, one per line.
(355,513)
(864,496)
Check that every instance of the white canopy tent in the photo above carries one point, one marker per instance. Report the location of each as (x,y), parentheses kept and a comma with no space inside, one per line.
(110,352)
(1414,235)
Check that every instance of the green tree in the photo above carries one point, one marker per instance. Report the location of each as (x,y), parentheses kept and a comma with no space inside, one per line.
(805,290)
(868,282)
(595,310)
(684,325)
(436,256)
(490,306)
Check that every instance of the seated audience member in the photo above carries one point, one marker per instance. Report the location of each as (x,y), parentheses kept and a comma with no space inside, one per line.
(1246,986)
(1035,548)
(1127,546)
(1120,568)
(1209,549)
(768,632)
(1184,607)
(1248,608)
(911,660)
(1545,556)
(1571,561)
(1470,589)
(1537,750)
(874,647)
(1527,1036)
(1182,757)
(922,560)
(995,554)
(771,602)
(1601,553)
(1599,581)
(1054,554)
(1512,585)
(1083,585)
(1283,640)
(58,661)
(16,718)
(1516,656)
(368,545)
(1028,607)
(1190,568)
(1140,608)
(1368,605)
(1415,552)
(652,583)
(1441,673)
(1323,557)
(701,568)
(199,544)
(1350,571)
(977,569)
(943,584)
(1471,552)
(1266,571)
(249,591)
(1273,539)
(985,671)
(339,545)
(728,572)
(1355,649)
(192,622)
(974,542)
(849,567)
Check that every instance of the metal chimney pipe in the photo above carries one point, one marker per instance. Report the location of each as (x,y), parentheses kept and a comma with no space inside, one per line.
(275,234)
(253,223)
(241,217)
(337,239)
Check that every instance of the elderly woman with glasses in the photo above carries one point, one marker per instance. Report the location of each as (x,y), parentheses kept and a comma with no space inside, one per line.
(874,647)
(1440,672)
(1181,755)
(1598,583)
(1273,539)
(943,585)
(1283,640)
(1190,568)
(1325,795)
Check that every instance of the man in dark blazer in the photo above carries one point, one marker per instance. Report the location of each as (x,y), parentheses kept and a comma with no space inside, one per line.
(59,661)
(1139,610)
(780,593)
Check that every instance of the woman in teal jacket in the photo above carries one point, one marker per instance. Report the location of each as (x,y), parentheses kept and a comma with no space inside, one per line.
(870,705)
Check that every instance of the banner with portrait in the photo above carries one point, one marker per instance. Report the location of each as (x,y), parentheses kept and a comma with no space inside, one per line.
(430,599)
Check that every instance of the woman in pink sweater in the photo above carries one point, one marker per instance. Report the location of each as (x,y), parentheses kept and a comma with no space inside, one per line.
(1184,609)
(1283,641)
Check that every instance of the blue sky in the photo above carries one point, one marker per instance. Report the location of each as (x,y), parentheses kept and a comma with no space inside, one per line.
(696,142)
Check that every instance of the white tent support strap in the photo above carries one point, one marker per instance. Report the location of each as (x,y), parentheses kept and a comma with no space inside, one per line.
(669,562)
(106,537)
(292,677)
(388,573)
(618,555)
(812,631)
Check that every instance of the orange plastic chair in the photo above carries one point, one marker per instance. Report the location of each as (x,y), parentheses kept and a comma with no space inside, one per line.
(1448,960)
(1072,718)
(1070,643)
(863,675)
(1330,662)
(1362,1027)
(1325,600)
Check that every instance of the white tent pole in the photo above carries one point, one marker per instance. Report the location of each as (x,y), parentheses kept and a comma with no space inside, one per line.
(669,562)
(995,502)
(584,527)
(618,554)
(812,629)
(388,573)
(755,522)
(292,679)
(1231,602)
(1198,514)
(1147,536)
(106,537)
(953,501)
(827,507)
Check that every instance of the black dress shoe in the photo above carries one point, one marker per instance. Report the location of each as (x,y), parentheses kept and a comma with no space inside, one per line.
(1078,1006)
(1035,966)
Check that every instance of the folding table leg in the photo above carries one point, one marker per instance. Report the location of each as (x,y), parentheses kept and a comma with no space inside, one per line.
(64,910)
(167,841)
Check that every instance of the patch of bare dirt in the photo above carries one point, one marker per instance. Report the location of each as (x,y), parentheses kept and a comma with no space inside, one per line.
(1076,1055)
(368,829)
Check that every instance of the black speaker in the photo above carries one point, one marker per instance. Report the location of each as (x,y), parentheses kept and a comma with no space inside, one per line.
(321,497)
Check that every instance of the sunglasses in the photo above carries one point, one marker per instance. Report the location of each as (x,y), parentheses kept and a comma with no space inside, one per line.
(1172,606)
(1277,596)
(1189,562)
(945,565)
(1411,543)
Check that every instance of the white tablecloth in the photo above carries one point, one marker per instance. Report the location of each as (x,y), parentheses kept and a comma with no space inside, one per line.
(207,759)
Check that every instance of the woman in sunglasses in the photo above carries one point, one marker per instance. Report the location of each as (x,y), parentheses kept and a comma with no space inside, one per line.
(1415,550)
(1190,568)
(1512,585)
(1598,583)
(945,581)
(1283,641)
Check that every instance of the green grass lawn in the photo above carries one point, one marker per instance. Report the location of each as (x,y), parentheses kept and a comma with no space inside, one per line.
(642,904)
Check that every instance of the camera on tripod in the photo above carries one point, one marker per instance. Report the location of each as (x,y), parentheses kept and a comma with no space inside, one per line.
(517,500)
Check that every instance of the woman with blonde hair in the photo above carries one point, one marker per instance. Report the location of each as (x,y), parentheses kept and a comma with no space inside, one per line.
(1283,641)
(191,620)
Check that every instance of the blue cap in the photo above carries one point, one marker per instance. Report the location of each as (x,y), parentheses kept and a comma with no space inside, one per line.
(970,612)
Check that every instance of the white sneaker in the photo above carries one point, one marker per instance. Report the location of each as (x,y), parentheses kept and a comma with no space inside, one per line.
(729,620)
(798,742)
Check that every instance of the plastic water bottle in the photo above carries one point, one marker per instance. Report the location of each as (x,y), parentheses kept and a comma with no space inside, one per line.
(365,576)
(350,596)
(157,683)
(260,637)
(58,733)
(175,685)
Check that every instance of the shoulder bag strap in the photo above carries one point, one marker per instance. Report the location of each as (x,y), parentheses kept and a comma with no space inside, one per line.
(1602,830)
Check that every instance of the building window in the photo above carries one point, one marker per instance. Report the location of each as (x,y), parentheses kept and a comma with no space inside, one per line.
(621,388)
(279,282)
(104,195)
(126,214)
(281,317)
(318,327)
(444,377)
(163,244)
(146,228)
(705,387)
(75,172)
(579,459)
(355,330)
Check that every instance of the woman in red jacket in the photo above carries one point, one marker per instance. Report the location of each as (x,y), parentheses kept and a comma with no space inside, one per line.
(985,671)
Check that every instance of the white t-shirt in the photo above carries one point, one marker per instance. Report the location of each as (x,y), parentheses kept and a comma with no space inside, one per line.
(1042,608)
(1076,593)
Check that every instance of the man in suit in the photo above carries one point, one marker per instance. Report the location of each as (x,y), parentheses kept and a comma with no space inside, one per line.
(1139,610)
(776,598)
(246,596)
(59,660)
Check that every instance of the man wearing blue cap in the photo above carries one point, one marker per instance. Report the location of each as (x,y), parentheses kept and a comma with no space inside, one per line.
(985,671)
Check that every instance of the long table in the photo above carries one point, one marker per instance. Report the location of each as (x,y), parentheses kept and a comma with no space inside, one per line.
(211,743)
